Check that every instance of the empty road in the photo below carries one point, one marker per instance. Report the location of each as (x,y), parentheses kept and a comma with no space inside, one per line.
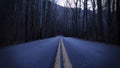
(60,52)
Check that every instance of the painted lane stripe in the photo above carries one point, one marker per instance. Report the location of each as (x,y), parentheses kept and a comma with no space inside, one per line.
(57,61)
(67,63)
(66,60)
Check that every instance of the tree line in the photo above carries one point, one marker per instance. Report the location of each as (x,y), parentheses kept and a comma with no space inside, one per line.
(27,20)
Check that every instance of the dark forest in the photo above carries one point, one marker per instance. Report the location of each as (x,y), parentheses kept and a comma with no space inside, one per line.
(27,20)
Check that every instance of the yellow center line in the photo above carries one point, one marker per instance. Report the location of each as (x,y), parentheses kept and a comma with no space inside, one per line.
(57,61)
(66,60)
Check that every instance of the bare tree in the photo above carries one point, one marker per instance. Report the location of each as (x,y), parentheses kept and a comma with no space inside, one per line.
(100,31)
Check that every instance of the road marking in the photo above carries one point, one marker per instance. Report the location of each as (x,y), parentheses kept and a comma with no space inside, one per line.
(67,63)
(57,61)
(66,60)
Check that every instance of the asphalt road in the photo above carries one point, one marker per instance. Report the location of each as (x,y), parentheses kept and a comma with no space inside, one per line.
(86,54)
(36,54)
(75,53)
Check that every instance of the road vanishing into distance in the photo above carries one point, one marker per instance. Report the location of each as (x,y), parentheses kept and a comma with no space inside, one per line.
(60,52)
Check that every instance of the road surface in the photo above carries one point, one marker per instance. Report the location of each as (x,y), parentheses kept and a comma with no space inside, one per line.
(60,52)
(37,54)
(85,54)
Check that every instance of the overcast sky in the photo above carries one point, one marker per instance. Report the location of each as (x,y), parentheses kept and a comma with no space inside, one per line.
(63,3)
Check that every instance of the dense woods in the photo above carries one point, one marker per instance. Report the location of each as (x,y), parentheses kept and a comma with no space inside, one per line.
(27,20)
